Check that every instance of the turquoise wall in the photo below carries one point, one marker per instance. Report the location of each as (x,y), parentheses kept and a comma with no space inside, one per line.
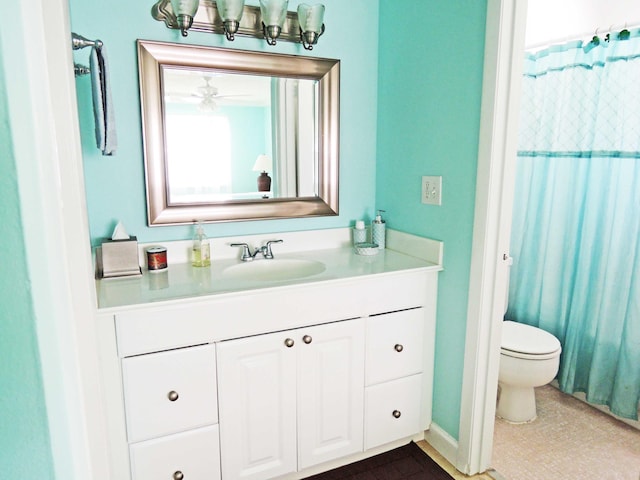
(115,185)
(25,450)
(429,93)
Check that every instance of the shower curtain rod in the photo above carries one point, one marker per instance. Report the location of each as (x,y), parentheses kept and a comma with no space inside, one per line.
(600,32)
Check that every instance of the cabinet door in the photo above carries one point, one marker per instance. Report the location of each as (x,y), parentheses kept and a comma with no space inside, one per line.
(257,403)
(330,391)
(192,455)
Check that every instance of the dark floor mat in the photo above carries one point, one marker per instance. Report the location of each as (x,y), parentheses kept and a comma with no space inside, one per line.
(405,463)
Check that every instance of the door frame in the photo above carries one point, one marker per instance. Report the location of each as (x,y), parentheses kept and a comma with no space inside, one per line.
(504,48)
(43,121)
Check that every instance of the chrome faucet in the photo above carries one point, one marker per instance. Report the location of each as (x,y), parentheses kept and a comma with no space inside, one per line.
(265,250)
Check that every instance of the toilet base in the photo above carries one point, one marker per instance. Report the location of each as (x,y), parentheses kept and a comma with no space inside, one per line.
(516,404)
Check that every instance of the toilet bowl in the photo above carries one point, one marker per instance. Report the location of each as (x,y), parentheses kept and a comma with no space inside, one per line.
(529,358)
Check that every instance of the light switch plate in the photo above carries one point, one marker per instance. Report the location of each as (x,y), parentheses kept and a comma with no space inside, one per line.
(432,190)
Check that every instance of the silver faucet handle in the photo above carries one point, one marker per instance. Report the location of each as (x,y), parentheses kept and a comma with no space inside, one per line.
(267,253)
(246,255)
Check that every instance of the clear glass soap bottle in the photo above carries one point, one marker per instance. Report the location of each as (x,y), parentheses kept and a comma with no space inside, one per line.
(201,253)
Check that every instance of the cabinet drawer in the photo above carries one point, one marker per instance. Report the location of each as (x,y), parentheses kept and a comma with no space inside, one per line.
(194,454)
(168,392)
(392,410)
(394,345)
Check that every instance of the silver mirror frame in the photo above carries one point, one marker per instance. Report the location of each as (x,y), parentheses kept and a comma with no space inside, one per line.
(153,55)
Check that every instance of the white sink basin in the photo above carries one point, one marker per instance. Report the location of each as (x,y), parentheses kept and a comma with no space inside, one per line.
(274,270)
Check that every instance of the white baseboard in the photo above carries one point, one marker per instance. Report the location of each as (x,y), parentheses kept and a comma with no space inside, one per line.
(445,444)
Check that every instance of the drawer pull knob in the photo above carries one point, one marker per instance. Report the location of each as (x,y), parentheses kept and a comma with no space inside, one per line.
(398,348)
(307,339)
(178,475)
(173,396)
(289,342)
(396,414)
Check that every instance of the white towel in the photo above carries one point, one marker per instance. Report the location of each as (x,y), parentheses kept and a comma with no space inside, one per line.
(106,139)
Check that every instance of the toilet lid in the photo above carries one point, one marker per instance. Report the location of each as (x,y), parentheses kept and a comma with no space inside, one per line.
(521,338)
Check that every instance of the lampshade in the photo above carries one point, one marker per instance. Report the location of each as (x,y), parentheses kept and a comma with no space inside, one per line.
(311,23)
(230,12)
(311,17)
(273,12)
(184,11)
(263,164)
(230,9)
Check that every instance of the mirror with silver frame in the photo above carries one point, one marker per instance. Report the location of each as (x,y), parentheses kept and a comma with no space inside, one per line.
(233,135)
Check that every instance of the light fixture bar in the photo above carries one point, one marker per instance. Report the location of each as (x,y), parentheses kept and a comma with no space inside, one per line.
(208,20)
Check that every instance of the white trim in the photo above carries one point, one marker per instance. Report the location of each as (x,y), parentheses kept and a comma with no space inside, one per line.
(46,140)
(445,444)
(504,49)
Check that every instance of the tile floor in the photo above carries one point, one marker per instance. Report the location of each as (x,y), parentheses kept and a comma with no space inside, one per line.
(569,440)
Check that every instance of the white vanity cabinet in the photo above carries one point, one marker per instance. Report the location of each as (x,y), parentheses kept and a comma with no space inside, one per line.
(291,400)
(273,381)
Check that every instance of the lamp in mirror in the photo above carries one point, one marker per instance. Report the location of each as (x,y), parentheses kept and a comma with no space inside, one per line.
(273,14)
(184,10)
(230,13)
(263,165)
(310,18)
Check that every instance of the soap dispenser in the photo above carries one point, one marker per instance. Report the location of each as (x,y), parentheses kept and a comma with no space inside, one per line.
(378,230)
(201,253)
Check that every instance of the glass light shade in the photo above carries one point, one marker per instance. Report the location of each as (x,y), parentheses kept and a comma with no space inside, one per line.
(263,164)
(230,9)
(311,17)
(185,7)
(184,11)
(273,12)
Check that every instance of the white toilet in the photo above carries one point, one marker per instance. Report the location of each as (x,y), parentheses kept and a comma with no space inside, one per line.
(529,357)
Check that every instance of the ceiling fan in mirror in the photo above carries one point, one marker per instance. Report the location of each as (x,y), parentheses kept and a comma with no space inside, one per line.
(206,96)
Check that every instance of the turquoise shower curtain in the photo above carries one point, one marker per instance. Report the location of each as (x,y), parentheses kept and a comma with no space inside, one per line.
(576,225)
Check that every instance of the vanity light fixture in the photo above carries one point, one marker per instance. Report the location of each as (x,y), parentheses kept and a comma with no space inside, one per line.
(230,13)
(184,11)
(263,164)
(310,18)
(269,21)
(273,14)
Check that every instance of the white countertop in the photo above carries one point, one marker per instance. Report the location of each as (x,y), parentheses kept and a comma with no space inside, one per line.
(182,280)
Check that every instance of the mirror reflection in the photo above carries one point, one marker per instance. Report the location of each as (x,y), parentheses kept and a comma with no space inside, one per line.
(235,136)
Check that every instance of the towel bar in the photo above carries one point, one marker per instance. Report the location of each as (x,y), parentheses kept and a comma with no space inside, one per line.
(78,42)
(80,69)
